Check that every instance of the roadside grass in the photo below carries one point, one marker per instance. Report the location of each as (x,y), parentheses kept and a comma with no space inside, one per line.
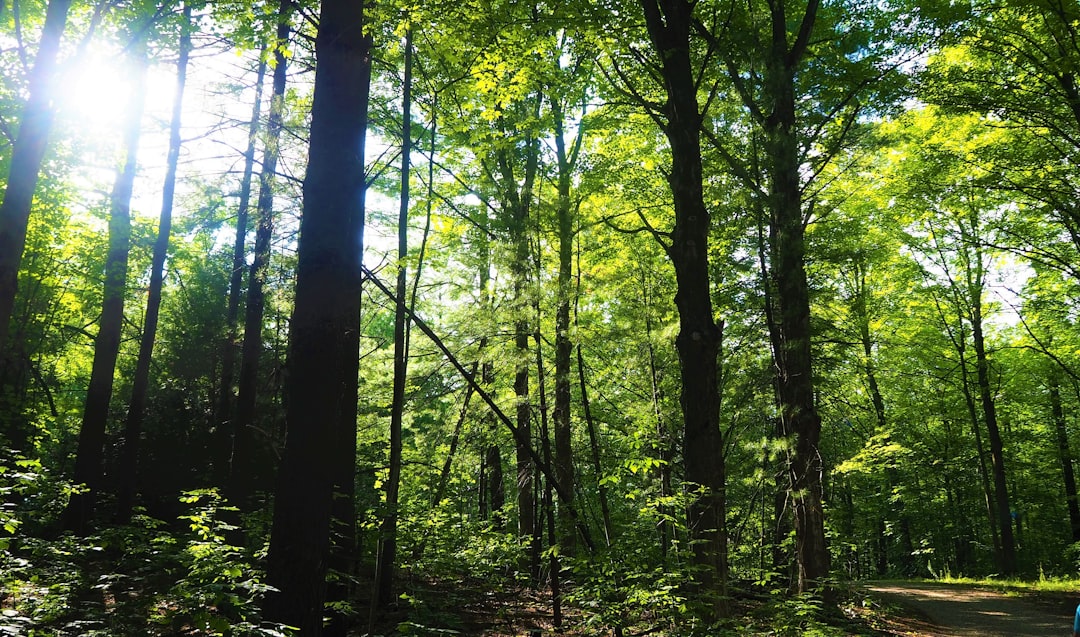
(1042,585)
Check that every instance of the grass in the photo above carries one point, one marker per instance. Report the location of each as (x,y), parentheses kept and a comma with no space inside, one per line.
(1041,585)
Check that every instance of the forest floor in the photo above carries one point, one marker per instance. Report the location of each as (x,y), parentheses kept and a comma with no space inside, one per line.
(896,609)
(933,609)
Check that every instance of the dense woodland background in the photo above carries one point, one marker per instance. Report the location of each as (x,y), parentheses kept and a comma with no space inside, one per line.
(665,308)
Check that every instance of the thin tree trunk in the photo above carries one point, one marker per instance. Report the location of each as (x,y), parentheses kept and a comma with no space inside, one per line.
(27,153)
(698,342)
(384,572)
(564,448)
(244,468)
(1064,453)
(594,445)
(223,418)
(862,315)
(129,459)
(549,509)
(997,454)
(517,204)
(324,322)
(519,437)
(90,454)
(663,438)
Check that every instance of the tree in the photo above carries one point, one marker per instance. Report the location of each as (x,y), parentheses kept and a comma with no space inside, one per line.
(133,426)
(325,313)
(27,153)
(669,24)
(88,461)
(244,463)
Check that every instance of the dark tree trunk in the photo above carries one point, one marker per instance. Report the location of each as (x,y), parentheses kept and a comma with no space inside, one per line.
(344,540)
(325,318)
(1064,454)
(89,457)
(698,342)
(223,417)
(564,449)
(129,458)
(27,153)
(798,412)
(245,466)
(517,203)
(384,572)
(997,454)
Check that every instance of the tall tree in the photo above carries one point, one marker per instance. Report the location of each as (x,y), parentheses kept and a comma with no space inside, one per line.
(27,154)
(669,24)
(384,586)
(224,420)
(133,426)
(244,465)
(90,454)
(326,312)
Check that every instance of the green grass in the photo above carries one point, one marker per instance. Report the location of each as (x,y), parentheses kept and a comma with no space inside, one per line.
(1041,585)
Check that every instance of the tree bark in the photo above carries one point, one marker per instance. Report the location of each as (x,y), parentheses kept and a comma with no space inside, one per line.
(90,454)
(564,448)
(244,469)
(997,453)
(698,342)
(325,321)
(27,153)
(129,458)
(1064,453)
(798,412)
(517,202)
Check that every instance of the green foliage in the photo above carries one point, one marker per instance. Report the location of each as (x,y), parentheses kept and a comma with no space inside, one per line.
(139,579)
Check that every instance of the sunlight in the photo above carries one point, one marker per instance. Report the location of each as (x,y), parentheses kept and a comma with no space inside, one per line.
(94,92)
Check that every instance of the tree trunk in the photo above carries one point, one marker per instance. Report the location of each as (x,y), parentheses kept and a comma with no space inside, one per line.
(27,153)
(89,457)
(245,466)
(698,342)
(798,412)
(384,586)
(997,454)
(223,417)
(517,203)
(564,448)
(324,322)
(1064,453)
(129,459)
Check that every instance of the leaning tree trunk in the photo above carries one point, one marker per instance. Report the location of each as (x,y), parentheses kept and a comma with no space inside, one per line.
(27,153)
(129,458)
(698,342)
(325,313)
(244,465)
(90,454)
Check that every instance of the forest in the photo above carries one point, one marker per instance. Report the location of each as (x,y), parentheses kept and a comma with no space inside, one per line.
(650,317)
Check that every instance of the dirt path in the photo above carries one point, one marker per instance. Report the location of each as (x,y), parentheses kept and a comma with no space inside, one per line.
(946,610)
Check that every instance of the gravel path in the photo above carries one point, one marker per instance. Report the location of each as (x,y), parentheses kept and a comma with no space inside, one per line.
(947,610)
